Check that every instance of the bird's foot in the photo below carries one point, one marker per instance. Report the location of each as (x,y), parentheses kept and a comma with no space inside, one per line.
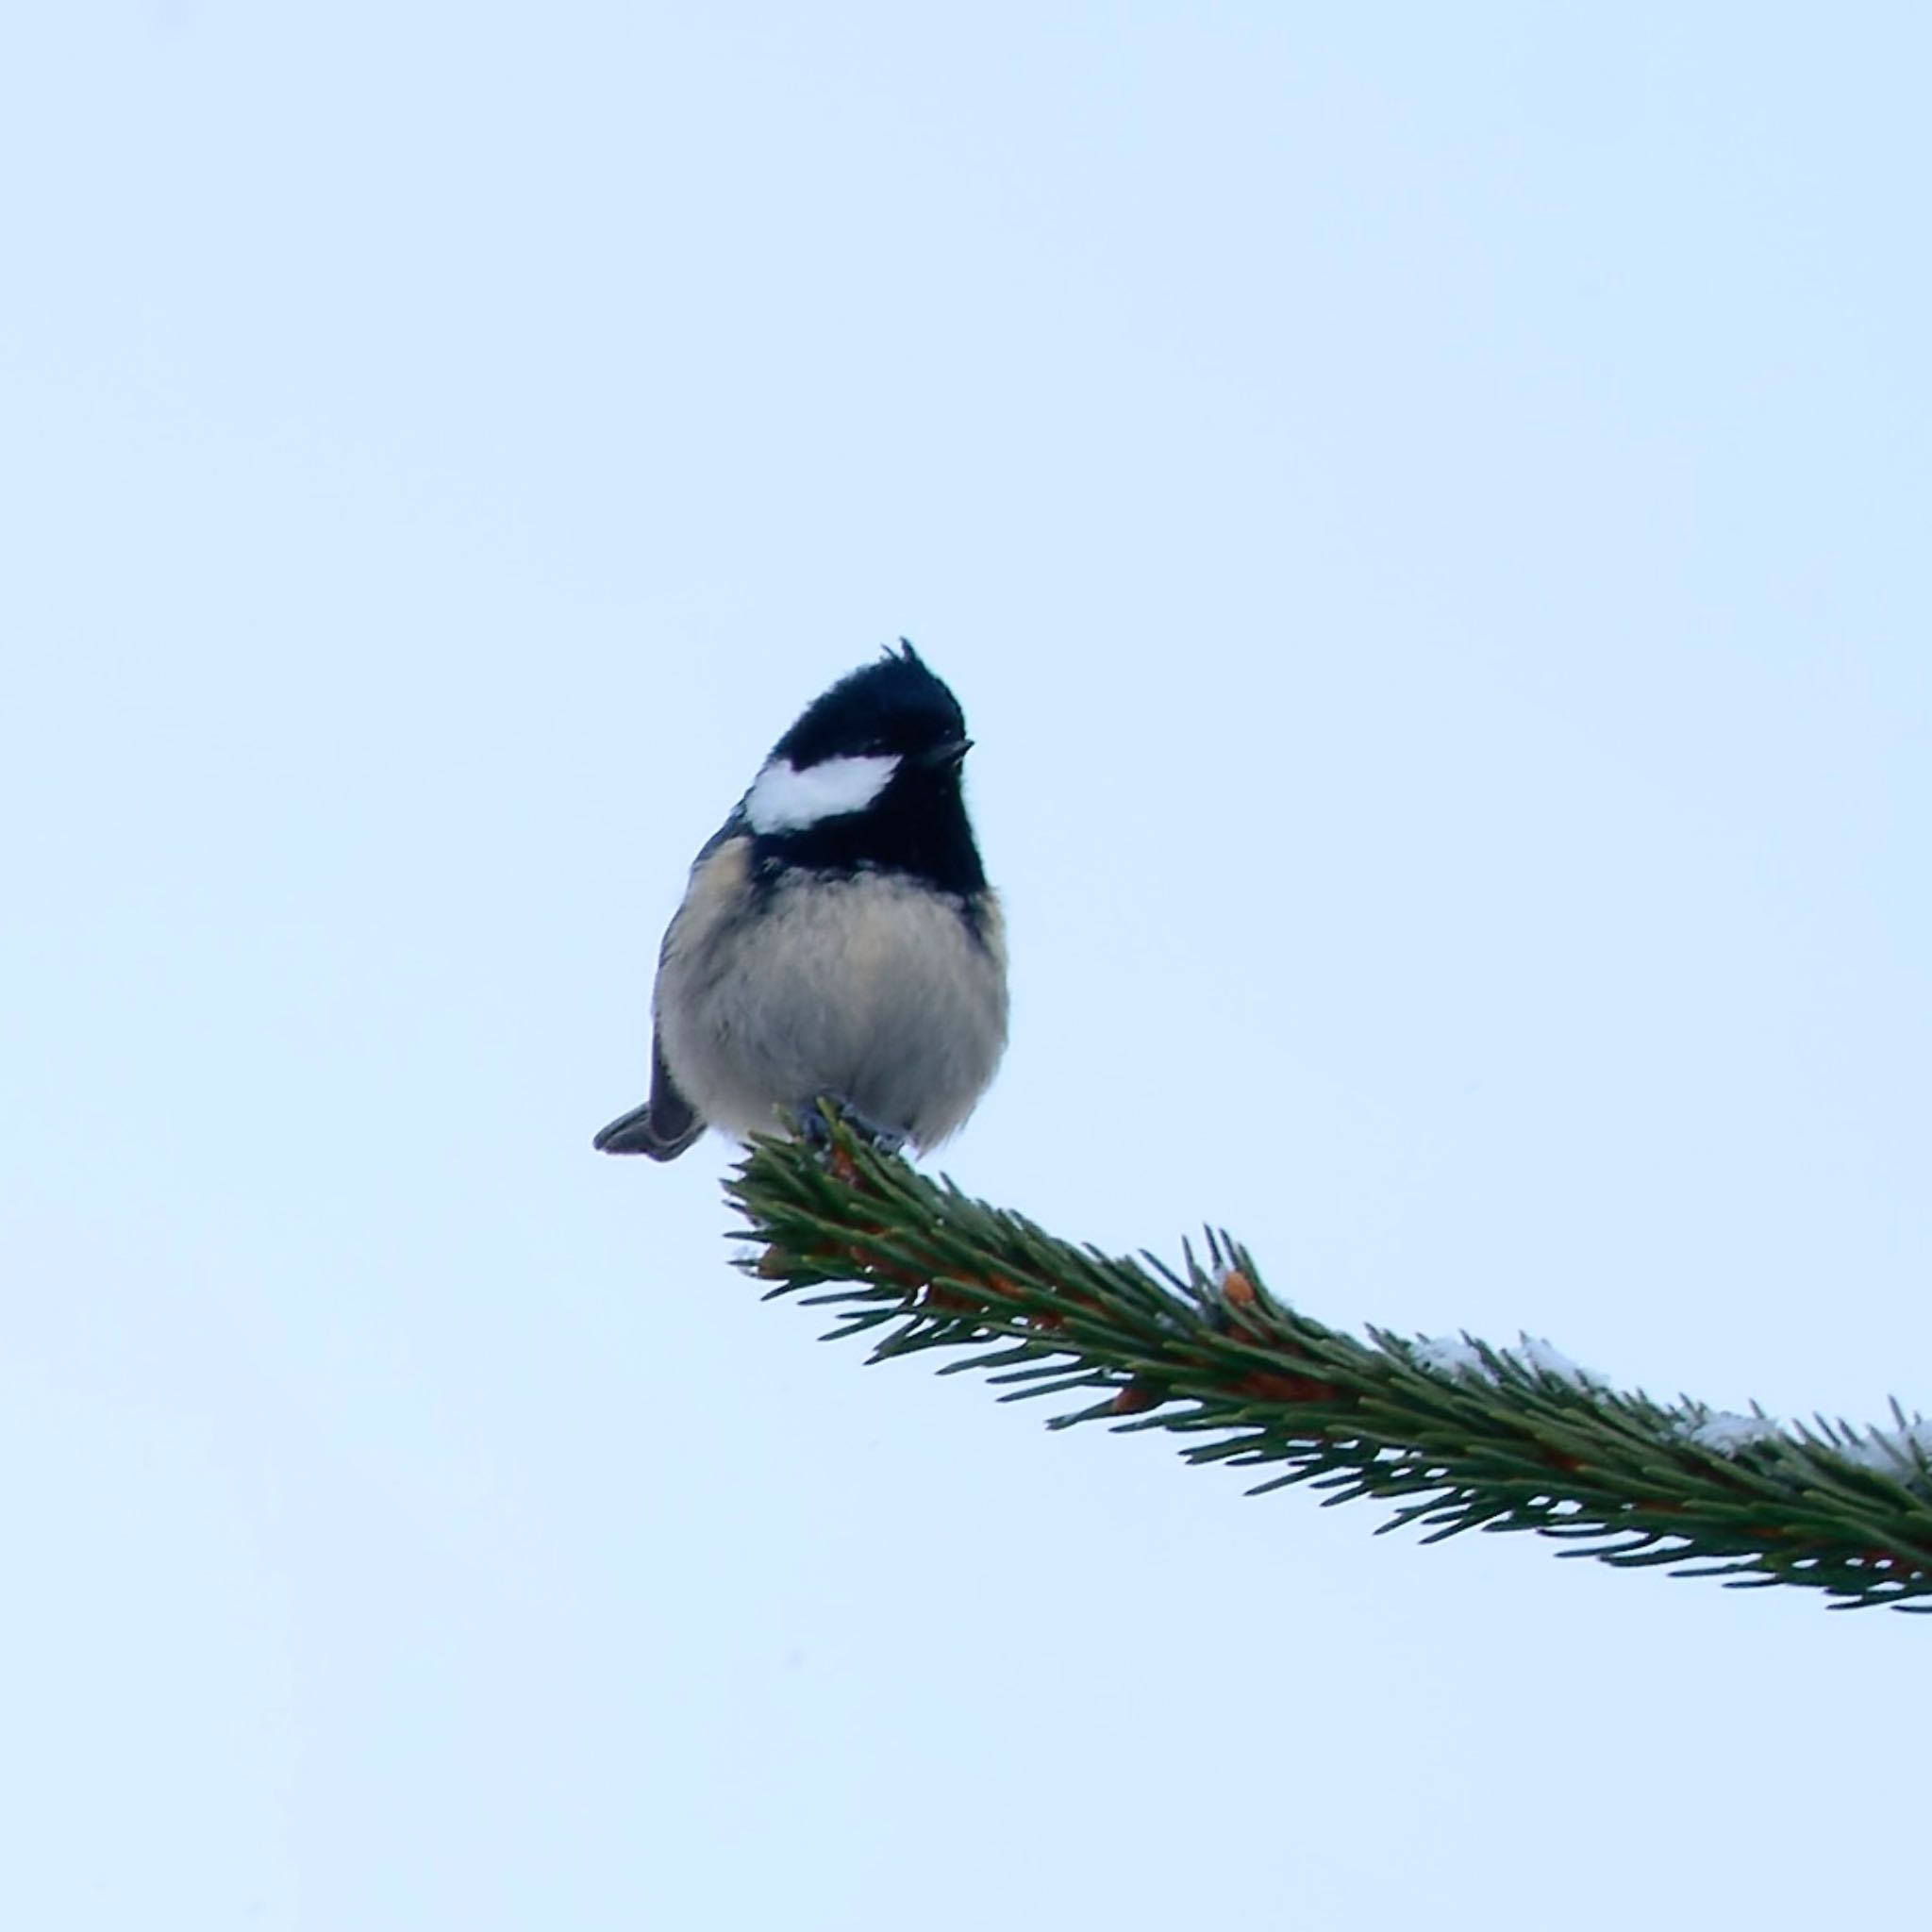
(815,1130)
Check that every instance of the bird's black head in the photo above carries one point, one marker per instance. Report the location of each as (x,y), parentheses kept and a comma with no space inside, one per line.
(893,705)
(868,777)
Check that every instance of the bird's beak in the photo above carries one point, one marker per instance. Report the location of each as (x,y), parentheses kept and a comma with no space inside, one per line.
(950,753)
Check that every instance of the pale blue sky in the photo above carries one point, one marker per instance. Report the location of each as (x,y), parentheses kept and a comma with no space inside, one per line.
(1425,510)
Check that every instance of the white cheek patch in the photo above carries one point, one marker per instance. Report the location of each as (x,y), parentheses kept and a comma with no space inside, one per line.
(784,799)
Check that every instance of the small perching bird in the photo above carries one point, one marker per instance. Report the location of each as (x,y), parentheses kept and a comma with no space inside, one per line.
(837,940)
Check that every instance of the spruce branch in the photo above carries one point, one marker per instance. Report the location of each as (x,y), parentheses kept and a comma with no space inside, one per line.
(1456,1435)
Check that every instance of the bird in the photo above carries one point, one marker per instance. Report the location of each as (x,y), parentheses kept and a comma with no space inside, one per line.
(837,942)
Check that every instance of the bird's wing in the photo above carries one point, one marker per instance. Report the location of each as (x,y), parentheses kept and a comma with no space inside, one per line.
(667,1122)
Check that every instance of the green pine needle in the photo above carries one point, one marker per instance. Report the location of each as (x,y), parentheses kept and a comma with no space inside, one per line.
(1485,1439)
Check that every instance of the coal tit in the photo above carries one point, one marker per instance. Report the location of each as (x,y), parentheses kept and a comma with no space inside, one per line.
(837,940)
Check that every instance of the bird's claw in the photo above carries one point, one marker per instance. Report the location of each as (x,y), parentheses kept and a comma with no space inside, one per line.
(815,1130)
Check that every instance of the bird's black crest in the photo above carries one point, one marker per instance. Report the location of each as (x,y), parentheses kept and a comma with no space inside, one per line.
(893,705)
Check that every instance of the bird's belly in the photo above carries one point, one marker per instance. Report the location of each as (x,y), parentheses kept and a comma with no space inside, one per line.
(866,988)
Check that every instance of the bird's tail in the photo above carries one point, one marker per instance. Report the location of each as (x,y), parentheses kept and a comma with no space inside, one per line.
(639,1131)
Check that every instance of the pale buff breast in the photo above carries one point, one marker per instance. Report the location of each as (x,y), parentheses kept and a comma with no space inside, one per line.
(868,988)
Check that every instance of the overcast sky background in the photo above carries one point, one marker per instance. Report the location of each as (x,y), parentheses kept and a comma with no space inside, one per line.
(1425,510)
